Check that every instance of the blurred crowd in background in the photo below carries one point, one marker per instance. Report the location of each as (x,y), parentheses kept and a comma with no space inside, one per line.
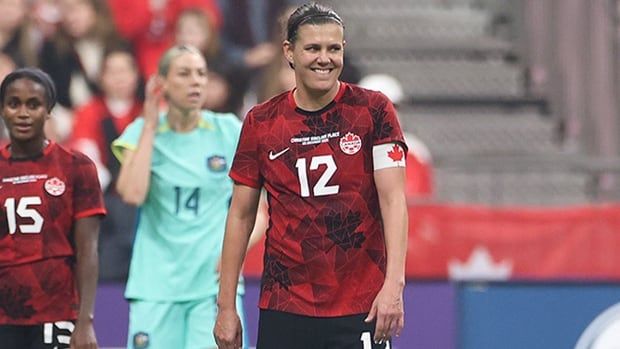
(100,52)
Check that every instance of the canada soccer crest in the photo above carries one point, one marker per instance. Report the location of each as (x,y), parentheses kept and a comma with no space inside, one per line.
(54,186)
(350,143)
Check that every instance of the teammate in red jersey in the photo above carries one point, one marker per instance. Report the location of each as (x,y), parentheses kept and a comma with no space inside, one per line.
(331,158)
(50,206)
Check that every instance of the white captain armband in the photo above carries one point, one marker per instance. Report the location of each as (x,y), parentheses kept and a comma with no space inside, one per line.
(388,155)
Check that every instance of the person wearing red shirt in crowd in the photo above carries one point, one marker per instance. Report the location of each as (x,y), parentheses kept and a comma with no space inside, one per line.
(149,25)
(50,206)
(331,157)
(103,118)
(73,55)
(97,124)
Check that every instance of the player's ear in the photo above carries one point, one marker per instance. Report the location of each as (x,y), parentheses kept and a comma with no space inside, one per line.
(287,49)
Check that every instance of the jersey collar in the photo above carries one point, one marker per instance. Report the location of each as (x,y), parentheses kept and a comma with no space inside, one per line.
(293,104)
(6,153)
(164,126)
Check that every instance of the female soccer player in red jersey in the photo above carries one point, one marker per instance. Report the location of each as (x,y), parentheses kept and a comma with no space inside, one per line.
(331,158)
(50,207)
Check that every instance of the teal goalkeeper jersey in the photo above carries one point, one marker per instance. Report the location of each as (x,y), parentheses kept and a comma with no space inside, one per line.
(180,226)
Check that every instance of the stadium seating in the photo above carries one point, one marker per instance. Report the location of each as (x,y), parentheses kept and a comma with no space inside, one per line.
(467,100)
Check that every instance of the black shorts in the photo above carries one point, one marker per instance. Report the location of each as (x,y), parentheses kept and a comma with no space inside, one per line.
(53,335)
(279,330)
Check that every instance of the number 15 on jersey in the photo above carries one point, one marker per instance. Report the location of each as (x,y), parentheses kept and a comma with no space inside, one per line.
(23,208)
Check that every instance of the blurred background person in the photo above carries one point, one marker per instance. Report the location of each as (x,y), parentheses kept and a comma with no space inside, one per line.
(174,167)
(16,39)
(45,16)
(195,28)
(97,123)
(249,26)
(74,54)
(102,119)
(73,57)
(150,25)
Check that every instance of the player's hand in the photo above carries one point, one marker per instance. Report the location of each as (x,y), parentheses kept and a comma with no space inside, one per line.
(83,336)
(152,100)
(227,331)
(388,310)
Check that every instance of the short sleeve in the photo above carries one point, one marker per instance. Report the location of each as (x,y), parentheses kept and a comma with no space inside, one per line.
(129,139)
(386,127)
(87,195)
(245,167)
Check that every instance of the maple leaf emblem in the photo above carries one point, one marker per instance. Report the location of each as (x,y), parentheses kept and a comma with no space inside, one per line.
(396,154)
(342,231)
(480,266)
(350,137)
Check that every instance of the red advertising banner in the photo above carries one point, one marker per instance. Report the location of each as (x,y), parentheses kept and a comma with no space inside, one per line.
(488,243)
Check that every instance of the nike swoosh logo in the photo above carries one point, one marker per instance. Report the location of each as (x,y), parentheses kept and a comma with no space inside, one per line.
(273,156)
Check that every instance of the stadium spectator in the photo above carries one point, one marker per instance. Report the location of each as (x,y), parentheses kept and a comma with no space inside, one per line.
(97,124)
(150,25)
(45,17)
(49,222)
(74,54)
(246,37)
(331,158)
(174,166)
(15,34)
(196,29)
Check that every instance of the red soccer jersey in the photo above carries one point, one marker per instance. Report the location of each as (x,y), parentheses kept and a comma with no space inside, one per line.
(325,248)
(40,199)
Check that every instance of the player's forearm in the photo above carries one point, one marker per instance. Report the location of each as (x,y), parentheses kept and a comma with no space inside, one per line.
(239,224)
(87,266)
(395,222)
(134,177)
(236,240)
(390,184)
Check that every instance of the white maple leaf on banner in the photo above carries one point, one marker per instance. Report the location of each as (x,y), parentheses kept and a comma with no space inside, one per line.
(479,266)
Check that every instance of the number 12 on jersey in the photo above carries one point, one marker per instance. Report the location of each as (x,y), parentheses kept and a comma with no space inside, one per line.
(320,188)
